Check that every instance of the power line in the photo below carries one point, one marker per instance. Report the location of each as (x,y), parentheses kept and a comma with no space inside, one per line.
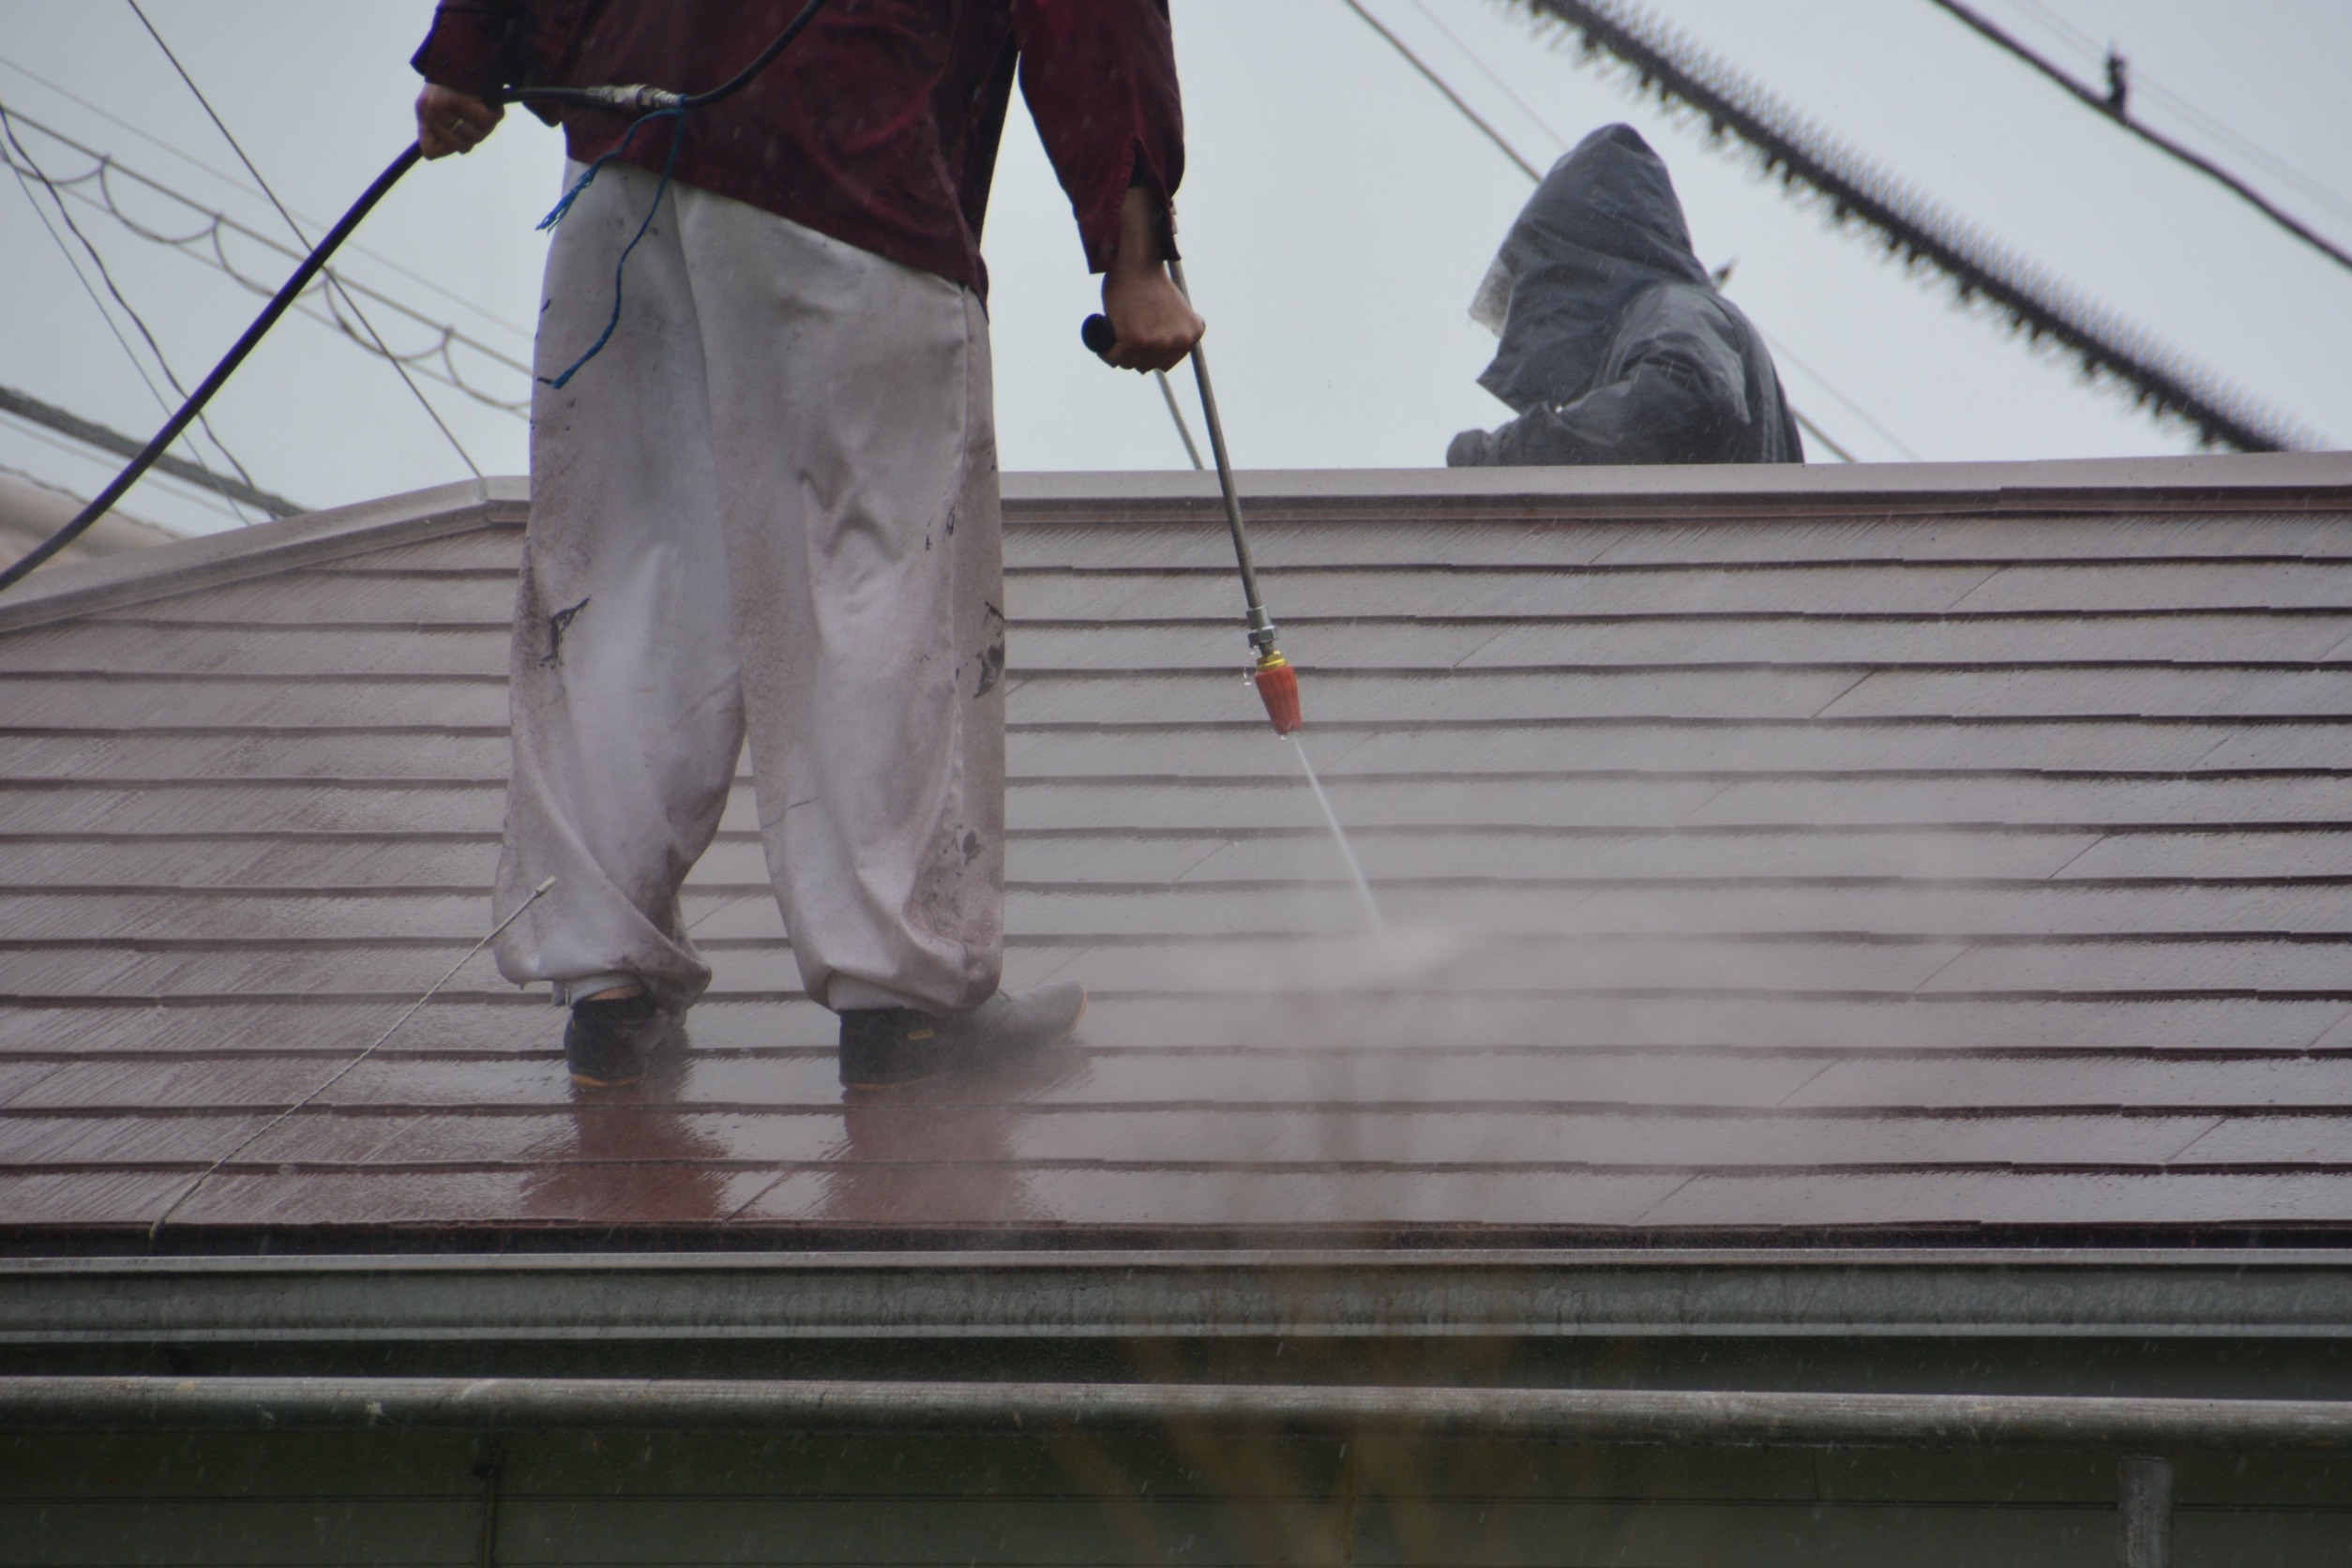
(1183,430)
(401,370)
(2244,146)
(1782,350)
(1840,453)
(137,365)
(95,188)
(66,251)
(1488,72)
(40,484)
(202,495)
(1529,170)
(1668,66)
(107,278)
(484,311)
(1450,95)
(2115,105)
(91,433)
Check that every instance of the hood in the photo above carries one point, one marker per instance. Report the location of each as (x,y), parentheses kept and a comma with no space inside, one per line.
(1602,226)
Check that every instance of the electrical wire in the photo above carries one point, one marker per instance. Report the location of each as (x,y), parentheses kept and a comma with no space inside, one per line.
(245,345)
(640,98)
(66,251)
(1782,350)
(332,281)
(8,127)
(2116,108)
(195,493)
(2244,146)
(484,311)
(1489,73)
(1666,65)
(1183,431)
(107,277)
(1452,96)
(39,483)
(205,243)
(31,409)
(1837,451)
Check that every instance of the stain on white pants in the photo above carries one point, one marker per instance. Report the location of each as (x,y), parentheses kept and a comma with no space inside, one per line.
(766,513)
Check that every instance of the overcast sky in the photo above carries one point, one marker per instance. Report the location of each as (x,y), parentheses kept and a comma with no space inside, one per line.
(1337,218)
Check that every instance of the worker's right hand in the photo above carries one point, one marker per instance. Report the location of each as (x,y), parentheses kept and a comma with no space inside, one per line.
(1154,322)
(448,121)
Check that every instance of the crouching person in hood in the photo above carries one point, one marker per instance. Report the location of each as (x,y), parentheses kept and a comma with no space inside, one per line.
(1616,346)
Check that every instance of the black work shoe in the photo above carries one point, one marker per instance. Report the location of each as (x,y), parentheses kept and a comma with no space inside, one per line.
(607,1042)
(883,1045)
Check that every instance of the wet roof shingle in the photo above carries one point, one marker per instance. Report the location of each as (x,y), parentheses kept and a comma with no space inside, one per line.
(1801,857)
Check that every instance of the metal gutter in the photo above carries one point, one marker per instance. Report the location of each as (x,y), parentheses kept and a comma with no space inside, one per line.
(1567,1415)
(978,1297)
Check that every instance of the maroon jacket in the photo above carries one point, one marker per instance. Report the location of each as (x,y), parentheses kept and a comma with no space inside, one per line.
(879,125)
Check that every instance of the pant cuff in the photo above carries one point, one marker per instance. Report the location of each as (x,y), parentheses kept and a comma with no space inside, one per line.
(846,993)
(566,991)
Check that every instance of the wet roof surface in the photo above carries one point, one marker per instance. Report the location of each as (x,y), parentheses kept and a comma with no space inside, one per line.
(1850,870)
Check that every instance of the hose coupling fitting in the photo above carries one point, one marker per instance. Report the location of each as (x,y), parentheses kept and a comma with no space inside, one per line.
(636,98)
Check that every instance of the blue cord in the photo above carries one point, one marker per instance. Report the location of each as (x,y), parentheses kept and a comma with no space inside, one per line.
(563,206)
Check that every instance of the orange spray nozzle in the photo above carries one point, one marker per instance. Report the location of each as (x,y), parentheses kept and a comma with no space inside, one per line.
(1278,688)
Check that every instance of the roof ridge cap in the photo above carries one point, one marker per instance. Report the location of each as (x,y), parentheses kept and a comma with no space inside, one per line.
(2193,476)
(240,554)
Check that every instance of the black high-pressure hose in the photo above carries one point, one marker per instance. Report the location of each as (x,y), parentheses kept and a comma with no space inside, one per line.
(630,99)
(220,372)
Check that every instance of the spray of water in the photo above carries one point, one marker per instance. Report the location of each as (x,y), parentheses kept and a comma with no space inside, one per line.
(1339,835)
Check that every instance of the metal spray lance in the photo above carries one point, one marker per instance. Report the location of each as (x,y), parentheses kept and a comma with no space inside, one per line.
(1277,681)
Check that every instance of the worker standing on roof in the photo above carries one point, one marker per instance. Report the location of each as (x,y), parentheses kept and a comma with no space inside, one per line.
(766,510)
(1617,348)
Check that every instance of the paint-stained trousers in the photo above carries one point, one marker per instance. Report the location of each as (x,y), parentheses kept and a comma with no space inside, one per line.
(766,513)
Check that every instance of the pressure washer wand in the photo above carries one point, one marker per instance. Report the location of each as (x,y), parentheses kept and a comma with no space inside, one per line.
(1277,681)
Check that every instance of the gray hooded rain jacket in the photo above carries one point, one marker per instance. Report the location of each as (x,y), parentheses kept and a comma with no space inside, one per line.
(1616,347)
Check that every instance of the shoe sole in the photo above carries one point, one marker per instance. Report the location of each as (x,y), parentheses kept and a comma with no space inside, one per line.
(584,1081)
(953,1067)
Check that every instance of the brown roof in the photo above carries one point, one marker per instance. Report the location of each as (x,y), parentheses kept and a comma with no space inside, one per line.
(1933,852)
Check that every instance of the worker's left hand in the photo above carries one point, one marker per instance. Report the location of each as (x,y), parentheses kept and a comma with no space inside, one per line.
(1156,325)
(448,121)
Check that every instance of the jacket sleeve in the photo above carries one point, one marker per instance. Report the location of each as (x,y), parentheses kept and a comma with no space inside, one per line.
(1100,79)
(475,46)
(1675,392)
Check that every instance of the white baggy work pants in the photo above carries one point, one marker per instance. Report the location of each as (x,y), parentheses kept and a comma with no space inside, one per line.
(766,510)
